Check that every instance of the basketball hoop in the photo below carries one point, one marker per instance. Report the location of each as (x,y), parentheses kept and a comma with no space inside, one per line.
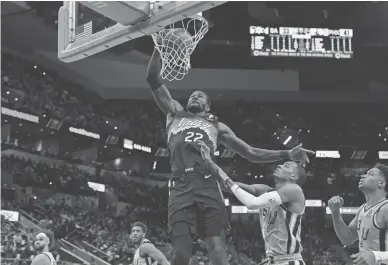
(176,43)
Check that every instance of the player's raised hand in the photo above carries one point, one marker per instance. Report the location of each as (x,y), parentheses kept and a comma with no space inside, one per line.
(335,203)
(300,154)
(205,151)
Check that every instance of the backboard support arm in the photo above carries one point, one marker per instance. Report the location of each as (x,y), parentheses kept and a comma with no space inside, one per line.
(161,16)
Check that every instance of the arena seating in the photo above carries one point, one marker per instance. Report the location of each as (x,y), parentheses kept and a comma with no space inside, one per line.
(28,87)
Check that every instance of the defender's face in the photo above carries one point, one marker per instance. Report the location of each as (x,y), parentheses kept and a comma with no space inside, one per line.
(286,171)
(41,242)
(197,102)
(371,180)
(137,234)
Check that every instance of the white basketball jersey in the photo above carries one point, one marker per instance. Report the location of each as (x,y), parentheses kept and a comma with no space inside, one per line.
(370,236)
(281,231)
(51,257)
(138,260)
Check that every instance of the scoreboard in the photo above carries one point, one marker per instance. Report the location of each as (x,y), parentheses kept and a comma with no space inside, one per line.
(301,42)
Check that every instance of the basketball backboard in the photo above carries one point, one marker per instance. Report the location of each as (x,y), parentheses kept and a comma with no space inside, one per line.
(89,27)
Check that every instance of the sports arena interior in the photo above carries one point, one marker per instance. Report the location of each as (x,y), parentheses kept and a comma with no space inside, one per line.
(83,144)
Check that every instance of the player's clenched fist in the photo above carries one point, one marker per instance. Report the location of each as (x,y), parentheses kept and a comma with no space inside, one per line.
(336,203)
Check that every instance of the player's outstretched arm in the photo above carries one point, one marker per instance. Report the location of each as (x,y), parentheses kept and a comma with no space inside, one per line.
(254,189)
(346,234)
(160,92)
(290,193)
(151,251)
(258,155)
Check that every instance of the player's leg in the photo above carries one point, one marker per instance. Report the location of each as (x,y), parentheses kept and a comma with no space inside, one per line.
(182,226)
(182,245)
(216,246)
(213,224)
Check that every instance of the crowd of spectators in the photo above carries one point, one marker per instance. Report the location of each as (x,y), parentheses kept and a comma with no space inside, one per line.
(108,231)
(27,87)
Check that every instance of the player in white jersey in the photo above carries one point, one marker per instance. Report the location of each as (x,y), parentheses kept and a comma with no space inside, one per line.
(370,226)
(43,242)
(281,209)
(146,253)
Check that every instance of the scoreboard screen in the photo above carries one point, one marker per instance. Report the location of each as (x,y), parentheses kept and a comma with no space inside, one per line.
(301,42)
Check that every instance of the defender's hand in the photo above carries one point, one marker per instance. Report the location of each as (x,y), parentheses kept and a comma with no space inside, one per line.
(300,154)
(336,203)
(364,258)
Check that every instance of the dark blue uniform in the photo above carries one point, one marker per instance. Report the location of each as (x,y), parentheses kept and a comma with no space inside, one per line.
(196,204)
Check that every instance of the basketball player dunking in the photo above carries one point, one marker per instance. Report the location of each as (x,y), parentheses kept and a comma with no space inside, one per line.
(196,206)
(43,242)
(146,253)
(281,209)
(370,226)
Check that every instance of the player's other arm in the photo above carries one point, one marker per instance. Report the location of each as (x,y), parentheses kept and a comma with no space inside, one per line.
(41,259)
(258,155)
(254,189)
(151,251)
(289,193)
(346,234)
(160,92)
(382,256)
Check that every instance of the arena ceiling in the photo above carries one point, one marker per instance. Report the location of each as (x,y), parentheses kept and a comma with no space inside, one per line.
(30,32)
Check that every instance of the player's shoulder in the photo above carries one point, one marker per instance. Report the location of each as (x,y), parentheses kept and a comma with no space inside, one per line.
(223,127)
(146,247)
(41,259)
(384,208)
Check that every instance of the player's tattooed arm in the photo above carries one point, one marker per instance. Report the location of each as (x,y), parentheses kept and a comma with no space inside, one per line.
(258,155)
(151,251)
(160,92)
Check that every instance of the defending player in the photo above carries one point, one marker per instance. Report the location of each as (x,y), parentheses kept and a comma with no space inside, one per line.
(43,242)
(146,253)
(370,226)
(196,206)
(281,209)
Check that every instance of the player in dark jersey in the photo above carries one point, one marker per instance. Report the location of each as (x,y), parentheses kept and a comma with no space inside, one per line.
(370,226)
(196,206)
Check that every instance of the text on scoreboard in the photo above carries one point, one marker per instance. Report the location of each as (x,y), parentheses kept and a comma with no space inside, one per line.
(301,42)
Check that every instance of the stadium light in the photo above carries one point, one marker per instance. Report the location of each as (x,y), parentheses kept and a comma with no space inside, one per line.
(287,140)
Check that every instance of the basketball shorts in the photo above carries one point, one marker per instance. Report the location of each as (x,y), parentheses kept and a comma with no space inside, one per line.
(197,209)
(293,259)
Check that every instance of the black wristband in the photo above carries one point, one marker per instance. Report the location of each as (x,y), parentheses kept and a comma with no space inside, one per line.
(154,81)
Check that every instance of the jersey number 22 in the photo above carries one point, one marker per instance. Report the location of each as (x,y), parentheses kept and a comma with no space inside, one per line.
(193,137)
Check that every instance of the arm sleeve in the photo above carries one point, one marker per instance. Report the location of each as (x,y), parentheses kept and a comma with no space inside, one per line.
(265,200)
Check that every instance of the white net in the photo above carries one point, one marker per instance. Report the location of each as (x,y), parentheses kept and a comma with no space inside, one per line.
(176,43)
